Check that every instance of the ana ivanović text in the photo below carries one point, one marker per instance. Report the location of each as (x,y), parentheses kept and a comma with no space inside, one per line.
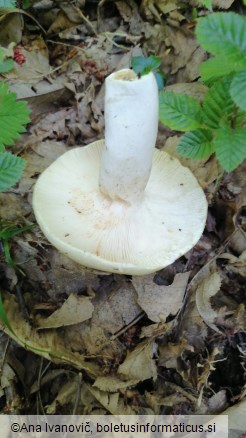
(46,427)
(89,427)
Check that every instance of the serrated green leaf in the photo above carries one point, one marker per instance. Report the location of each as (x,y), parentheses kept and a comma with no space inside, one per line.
(13,116)
(7,4)
(217,103)
(196,144)
(179,111)
(206,3)
(11,168)
(222,33)
(221,66)
(5,64)
(230,147)
(145,65)
(238,89)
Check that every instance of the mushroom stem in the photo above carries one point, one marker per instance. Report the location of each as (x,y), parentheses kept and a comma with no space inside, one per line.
(131,125)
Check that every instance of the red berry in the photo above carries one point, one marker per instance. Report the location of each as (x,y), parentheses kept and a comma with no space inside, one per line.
(18,57)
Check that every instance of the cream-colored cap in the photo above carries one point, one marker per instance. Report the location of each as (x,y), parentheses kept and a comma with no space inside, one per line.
(115,236)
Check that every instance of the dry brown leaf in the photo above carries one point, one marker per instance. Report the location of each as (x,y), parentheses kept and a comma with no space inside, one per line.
(160,301)
(139,363)
(66,395)
(207,289)
(114,403)
(95,341)
(11,29)
(117,309)
(74,310)
(47,344)
(112,384)
(153,8)
(195,89)
(236,265)
(36,66)
(169,353)
(221,4)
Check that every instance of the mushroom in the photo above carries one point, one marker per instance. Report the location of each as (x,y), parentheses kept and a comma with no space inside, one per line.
(120,205)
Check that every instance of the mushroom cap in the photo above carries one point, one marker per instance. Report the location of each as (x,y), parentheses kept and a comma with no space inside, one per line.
(112,235)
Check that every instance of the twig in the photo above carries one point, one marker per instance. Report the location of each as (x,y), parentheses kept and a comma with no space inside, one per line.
(85,19)
(78,395)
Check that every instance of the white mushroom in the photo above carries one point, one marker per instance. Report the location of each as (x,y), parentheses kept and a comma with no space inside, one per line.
(120,205)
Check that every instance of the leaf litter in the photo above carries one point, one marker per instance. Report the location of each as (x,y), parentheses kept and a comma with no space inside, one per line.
(154,344)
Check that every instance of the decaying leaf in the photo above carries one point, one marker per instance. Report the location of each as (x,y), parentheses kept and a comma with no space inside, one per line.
(112,384)
(114,402)
(75,309)
(194,89)
(207,289)
(46,344)
(160,301)
(169,353)
(66,395)
(236,265)
(115,310)
(139,363)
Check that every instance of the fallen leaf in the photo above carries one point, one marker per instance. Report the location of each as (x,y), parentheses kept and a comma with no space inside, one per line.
(66,395)
(112,384)
(47,344)
(139,363)
(11,29)
(117,309)
(195,89)
(160,301)
(74,310)
(207,289)
(114,403)
(169,353)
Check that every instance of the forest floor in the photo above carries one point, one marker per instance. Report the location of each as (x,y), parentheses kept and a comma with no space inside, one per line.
(78,341)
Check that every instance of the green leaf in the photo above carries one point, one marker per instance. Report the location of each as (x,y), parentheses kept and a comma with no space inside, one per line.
(11,168)
(179,111)
(222,33)
(13,115)
(5,64)
(7,3)
(220,66)
(206,3)
(145,65)
(218,103)
(7,231)
(197,144)
(4,317)
(230,147)
(238,89)
(26,4)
